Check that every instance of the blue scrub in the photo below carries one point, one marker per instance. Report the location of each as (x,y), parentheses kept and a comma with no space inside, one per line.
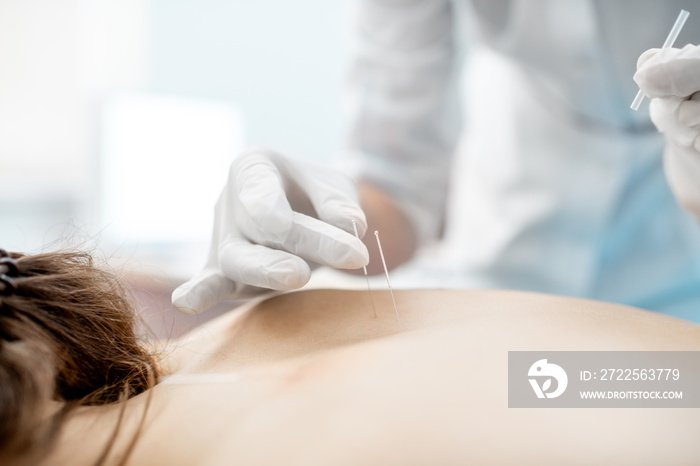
(503,129)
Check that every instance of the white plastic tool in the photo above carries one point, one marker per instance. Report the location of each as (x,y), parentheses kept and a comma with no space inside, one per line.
(670,40)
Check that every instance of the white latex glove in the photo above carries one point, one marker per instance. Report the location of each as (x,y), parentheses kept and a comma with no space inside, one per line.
(671,78)
(263,236)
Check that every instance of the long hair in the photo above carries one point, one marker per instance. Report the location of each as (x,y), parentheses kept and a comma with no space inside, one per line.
(67,334)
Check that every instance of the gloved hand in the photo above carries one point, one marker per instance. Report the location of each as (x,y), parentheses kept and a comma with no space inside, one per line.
(671,78)
(273,216)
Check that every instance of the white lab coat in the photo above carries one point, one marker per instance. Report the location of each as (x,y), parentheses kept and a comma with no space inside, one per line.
(544,179)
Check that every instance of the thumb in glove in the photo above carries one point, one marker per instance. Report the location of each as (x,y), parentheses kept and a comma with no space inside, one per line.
(262,241)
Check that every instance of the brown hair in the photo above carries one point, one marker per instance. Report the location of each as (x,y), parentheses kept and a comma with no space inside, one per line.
(67,333)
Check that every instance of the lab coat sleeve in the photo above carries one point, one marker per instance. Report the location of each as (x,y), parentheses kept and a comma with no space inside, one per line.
(404,105)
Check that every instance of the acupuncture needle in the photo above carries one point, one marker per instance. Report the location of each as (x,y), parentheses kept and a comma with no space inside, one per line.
(670,40)
(388,283)
(364,269)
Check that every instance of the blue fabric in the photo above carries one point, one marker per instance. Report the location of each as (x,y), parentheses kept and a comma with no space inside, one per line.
(553,184)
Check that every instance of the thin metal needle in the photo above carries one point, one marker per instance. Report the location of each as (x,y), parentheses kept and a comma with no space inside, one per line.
(364,269)
(388,283)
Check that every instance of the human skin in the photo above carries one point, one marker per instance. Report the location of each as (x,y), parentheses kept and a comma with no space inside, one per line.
(317,379)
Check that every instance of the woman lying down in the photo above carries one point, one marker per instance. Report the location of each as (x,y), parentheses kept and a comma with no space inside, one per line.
(311,378)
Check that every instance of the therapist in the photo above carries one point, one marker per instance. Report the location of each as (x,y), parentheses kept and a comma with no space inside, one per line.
(533,175)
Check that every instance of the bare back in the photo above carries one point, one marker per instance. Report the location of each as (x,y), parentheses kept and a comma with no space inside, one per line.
(314,378)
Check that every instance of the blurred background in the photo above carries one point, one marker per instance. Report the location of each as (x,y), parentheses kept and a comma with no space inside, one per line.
(119,118)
